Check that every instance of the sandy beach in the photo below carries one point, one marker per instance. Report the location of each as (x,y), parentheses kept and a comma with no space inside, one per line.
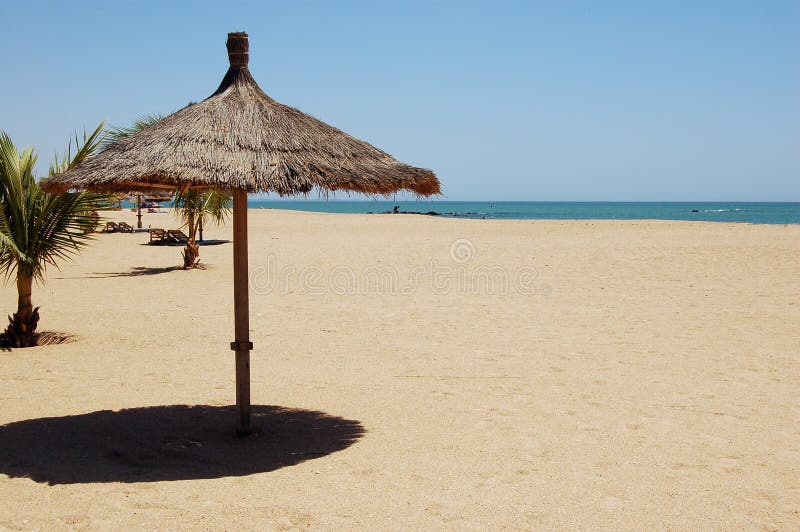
(415,372)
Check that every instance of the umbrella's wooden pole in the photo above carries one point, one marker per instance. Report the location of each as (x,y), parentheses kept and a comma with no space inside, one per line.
(139,209)
(241,311)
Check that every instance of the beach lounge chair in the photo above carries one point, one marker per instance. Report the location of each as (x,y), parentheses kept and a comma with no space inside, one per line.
(125,227)
(178,236)
(111,227)
(157,236)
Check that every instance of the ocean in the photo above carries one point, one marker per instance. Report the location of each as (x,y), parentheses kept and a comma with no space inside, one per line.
(746,212)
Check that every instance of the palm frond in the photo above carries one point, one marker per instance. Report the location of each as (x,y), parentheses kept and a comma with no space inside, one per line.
(16,180)
(193,207)
(217,207)
(89,145)
(62,228)
(39,229)
(116,133)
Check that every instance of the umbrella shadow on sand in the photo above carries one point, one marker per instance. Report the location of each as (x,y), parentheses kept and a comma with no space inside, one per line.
(206,242)
(136,271)
(175,442)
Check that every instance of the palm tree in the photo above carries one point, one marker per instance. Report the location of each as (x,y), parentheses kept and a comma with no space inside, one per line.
(196,208)
(39,229)
(193,207)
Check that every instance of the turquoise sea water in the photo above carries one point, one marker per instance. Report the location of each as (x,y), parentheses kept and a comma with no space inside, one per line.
(758,213)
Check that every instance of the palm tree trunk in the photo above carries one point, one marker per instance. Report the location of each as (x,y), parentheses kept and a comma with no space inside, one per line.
(191,253)
(21,330)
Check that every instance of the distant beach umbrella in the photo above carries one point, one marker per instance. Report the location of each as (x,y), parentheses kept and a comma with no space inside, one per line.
(160,198)
(240,140)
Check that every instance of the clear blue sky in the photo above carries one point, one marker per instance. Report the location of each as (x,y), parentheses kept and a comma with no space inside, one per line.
(594,100)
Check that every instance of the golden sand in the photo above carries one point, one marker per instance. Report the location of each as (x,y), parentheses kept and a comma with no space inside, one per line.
(442,374)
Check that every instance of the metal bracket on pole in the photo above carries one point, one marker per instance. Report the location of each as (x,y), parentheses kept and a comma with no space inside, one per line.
(241,346)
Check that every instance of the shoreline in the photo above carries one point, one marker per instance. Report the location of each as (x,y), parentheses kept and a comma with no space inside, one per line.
(760,213)
(445,216)
(441,216)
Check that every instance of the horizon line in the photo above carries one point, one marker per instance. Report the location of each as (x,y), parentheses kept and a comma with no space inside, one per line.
(421,200)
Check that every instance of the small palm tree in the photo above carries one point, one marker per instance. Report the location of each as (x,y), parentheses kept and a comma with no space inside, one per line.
(39,229)
(194,208)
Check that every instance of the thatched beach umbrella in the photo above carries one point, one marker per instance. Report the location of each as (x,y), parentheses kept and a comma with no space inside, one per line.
(240,140)
(138,198)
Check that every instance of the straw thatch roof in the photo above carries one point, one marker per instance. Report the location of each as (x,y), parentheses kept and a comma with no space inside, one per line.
(240,138)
